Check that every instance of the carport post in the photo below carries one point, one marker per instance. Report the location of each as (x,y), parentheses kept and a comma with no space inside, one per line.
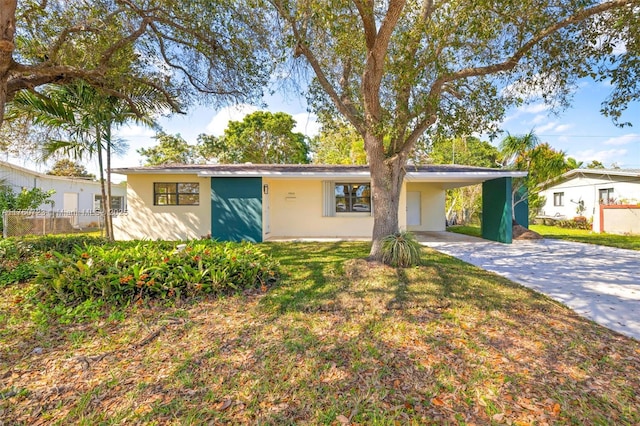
(497,210)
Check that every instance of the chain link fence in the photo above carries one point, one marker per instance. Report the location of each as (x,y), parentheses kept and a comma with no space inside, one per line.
(40,222)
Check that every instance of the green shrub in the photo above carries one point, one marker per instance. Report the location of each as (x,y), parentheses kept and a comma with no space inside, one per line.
(401,250)
(124,272)
(12,274)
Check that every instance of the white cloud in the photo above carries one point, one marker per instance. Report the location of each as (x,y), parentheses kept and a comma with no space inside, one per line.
(534,109)
(539,119)
(134,131)
(549,126)
(563,127)
(220,121)
(623,140)
(606,157)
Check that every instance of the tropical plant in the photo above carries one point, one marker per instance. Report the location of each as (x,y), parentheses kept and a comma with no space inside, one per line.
(87,117)
(401,249)
(122,273)
(539,160)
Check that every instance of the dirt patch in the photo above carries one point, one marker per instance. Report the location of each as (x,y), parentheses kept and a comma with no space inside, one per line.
(522,233)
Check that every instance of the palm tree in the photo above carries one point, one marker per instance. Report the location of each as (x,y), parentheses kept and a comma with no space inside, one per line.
(87,116)
(540,160)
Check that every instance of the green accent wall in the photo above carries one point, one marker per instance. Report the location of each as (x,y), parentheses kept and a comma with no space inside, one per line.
(522,208)
(497,210)
(236,209)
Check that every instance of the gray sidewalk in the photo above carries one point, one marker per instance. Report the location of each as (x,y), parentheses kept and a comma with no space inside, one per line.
(600,283)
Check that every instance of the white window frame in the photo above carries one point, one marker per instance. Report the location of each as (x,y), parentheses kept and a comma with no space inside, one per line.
(329,198)
(558,199)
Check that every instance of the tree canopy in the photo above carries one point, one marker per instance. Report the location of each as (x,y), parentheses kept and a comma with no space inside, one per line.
(177,49)
(69,168)
(399,69)
(171,149)
(261,137)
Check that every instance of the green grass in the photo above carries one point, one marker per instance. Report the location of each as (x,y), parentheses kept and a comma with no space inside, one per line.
(631,242)
(337,340)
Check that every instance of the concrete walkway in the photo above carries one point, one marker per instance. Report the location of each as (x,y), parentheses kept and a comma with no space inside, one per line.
(601,283)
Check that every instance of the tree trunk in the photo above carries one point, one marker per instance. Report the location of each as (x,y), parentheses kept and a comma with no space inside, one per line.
(103,204)
(7,46)
(107,213)
(387,176)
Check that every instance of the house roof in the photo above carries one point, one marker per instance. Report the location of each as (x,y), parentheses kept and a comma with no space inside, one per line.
(605,174)
(452,174)
(4,164)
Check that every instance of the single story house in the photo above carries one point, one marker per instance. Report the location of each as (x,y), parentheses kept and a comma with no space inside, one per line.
(582,192)
(254,202)
(76,197)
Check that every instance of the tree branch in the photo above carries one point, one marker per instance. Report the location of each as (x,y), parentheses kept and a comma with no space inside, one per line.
(303,49)
(514,59)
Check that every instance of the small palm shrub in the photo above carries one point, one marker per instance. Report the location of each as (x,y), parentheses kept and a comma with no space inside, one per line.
(401,250)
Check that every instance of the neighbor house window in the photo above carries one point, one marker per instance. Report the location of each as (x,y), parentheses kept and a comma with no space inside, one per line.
(605,195)
(117,202)
(176,194)
(353,197)
(558,199)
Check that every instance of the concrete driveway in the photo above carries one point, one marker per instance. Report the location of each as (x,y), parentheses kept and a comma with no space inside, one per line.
(599,283)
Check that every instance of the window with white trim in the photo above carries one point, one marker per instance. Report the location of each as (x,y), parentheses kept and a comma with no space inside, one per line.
(346,198)
(117,202)
(176,193)
(558,199)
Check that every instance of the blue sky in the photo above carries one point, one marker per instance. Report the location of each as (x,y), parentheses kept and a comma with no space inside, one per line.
(580,131)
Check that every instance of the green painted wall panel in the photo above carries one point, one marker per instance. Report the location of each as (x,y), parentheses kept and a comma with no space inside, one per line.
(236,209)
(497,222)
(522,208)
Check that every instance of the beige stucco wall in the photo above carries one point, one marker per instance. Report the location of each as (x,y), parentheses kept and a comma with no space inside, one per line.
(432,206)
(296,211)
(294,208)
(146,221)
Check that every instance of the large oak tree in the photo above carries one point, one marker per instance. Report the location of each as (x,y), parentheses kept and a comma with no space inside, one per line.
(400,69)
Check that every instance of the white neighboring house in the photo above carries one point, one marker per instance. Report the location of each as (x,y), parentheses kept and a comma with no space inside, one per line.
(74,196)
(591,187)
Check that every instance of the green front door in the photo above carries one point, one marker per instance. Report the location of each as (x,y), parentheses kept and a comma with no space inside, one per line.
(236,209)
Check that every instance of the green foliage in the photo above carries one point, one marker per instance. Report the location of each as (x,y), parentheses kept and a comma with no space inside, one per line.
(124,272)
(171,149)
(25,200)
(11,273)
(338,143)
(66,167)
(578,222)
(469,151)
(401,250)
(463,204)
(263,138)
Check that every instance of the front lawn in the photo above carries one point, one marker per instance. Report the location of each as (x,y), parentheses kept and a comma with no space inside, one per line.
(335,341)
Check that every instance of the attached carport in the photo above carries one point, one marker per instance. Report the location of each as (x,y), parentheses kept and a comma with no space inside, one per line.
(497,200)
